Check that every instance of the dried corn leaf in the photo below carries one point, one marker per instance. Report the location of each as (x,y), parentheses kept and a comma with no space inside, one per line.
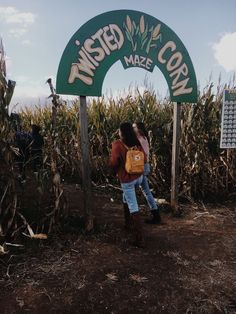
(112,276)
(138,278)
(2,250)
(33,235)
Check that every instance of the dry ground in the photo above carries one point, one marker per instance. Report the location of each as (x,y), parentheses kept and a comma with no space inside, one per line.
(188,266)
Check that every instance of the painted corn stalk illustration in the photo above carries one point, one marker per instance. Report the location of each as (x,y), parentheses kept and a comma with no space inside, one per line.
(141,35)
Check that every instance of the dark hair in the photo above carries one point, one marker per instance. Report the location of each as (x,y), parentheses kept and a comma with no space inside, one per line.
(35,128)
(142,129)
(128,135)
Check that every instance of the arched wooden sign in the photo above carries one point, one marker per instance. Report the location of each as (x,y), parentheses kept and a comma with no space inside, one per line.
(137,40)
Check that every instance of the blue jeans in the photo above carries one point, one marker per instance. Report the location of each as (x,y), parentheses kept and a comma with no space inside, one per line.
(129,194)
(146,189)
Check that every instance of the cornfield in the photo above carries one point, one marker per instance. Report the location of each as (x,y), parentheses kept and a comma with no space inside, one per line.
(33,208)
(8,195)
(206,171)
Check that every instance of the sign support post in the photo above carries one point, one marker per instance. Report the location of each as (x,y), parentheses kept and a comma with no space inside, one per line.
(85,162)
(175,157)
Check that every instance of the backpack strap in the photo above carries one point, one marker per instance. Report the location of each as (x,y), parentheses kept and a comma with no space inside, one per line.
(124,145)
(129,148)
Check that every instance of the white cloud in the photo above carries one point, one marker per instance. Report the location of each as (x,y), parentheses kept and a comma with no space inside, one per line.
(29,92)
(28,88)
(17,32)
(16,22)
(26,42)
(11,15)
(22,79)
(225,51)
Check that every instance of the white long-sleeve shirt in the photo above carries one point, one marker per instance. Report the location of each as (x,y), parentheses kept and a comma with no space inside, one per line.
(145,145)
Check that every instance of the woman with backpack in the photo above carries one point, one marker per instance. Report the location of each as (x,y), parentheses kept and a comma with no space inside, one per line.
(142,135)
(127,160)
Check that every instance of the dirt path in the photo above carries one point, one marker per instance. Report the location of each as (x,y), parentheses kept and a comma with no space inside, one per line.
(189,266)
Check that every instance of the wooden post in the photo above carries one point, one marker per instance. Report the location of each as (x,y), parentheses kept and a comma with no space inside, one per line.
(175,157)
(85,160)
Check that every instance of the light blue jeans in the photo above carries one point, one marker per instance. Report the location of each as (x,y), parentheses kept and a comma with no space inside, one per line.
(129,194)
(146,189)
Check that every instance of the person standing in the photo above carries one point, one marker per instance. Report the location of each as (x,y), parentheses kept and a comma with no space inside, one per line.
(36,147)
(22,142)
(142,135)
(129,182)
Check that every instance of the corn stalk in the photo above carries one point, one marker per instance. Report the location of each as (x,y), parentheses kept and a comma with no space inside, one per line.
(205,170)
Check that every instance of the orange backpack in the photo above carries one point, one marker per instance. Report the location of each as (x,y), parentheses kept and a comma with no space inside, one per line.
(134,162)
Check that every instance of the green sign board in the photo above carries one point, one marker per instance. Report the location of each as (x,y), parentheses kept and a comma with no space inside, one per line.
(137,40)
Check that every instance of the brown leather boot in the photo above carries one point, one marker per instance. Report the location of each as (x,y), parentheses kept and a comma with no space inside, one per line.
(138,230)
(128,219)
(156,218)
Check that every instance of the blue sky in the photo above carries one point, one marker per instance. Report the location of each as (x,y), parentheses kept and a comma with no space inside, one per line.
(35,33)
